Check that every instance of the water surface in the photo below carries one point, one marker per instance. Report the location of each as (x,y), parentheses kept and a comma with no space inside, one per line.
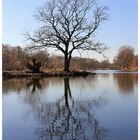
(99,107)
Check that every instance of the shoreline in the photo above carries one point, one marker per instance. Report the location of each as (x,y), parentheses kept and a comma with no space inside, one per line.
(26,74)
(49,73)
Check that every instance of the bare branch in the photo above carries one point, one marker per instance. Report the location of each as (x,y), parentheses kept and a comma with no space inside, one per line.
(67,26)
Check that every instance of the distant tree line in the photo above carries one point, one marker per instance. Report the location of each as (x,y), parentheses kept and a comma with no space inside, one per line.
(78,63)
(16,58)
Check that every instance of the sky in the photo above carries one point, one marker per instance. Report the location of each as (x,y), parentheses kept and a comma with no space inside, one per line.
(120,29)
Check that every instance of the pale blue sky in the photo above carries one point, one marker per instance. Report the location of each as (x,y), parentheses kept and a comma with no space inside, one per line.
(119,30)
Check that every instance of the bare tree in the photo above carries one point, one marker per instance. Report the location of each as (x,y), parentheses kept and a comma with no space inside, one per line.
(67,27)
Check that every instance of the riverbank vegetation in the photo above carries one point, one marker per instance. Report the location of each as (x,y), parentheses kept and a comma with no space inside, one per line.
(126,59)
(16,58)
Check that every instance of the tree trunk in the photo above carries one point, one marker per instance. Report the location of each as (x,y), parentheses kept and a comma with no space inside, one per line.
(67,60)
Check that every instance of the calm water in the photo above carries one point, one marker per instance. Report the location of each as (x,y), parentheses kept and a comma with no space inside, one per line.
(100,107)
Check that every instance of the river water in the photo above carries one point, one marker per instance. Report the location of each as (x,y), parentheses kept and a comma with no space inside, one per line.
(99,107)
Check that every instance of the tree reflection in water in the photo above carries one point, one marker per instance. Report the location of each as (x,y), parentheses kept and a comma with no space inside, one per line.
(33,93)
(34,84)
(126,82)
(68,119)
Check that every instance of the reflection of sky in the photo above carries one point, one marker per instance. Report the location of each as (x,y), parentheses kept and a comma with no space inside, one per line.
(116,112)
(15,122)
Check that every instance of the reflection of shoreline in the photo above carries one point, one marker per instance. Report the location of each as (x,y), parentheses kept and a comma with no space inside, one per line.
(24,84)
(67,119)
(126,82)
(14,85)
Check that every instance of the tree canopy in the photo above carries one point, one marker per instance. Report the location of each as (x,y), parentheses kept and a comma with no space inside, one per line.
(69,25)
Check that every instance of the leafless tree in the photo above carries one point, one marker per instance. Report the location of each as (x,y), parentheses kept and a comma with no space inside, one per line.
(67,27)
